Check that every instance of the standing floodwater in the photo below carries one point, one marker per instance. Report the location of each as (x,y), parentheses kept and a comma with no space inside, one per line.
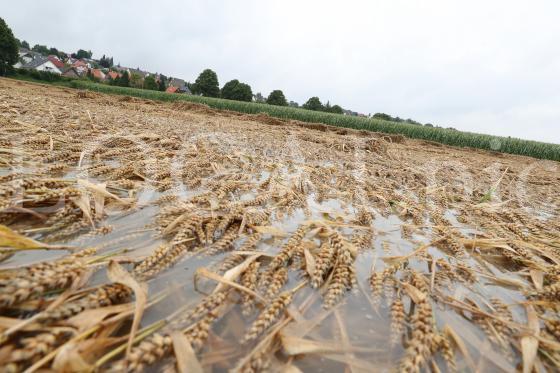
(260,245)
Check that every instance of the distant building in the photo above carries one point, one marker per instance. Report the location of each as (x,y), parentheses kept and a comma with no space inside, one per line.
(172,89)
(142,74)
(42,64)
(97,74)
(58,63)
(71,72)
(25,56)
(350,112)
(81,66)
(112,75)
(180,84)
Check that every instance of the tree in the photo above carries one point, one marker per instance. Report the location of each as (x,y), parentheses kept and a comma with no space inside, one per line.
(258,97)
(277,97)
(124,80)
(150,83)
(382,116)
(106,62)
(162,83)
(8,49)
(337,109)
(136,80)
(81,54)
(293,104)
(25,44)
(235,90)
(207,84)
(333,109)
(314,104)
(41,49)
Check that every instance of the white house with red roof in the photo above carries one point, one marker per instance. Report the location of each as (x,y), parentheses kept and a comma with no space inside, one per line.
(42,64)
(58,63)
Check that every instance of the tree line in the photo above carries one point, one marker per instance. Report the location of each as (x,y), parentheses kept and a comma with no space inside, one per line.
(207,84)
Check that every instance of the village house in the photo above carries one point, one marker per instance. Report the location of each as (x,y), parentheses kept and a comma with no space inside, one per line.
(25,56)
(71,72)
(179,84)
(42,64)
(58,63)
(81,66)
(113,75)
(97,74)
(75,68)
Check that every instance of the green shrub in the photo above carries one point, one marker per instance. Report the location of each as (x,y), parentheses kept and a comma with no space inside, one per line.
(42,75)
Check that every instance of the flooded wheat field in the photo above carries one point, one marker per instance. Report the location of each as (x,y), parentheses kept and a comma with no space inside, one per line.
(146,236)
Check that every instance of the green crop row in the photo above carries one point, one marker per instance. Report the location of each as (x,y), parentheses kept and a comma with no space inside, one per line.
(442,135)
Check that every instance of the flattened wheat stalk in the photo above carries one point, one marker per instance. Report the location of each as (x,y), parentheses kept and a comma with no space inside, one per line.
(338,285)
(159,345)
(34,281)
(279,279)
(323,263)
(344,274)
(249,279)
(161,259)
(225,243)
(268,316)
(29,350)
(376,284)
(419,345)
(441,343)
(259,362)
(104,296)
(145,354)
(285,254)
(503,312)
(198,334)
(229,262)
(398,318)
(233,260)
(208,304)
(38,282)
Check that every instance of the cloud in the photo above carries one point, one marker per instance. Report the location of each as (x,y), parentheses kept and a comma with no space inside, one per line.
(477,66)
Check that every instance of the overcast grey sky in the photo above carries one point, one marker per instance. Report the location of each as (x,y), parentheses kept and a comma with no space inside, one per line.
(482,66)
